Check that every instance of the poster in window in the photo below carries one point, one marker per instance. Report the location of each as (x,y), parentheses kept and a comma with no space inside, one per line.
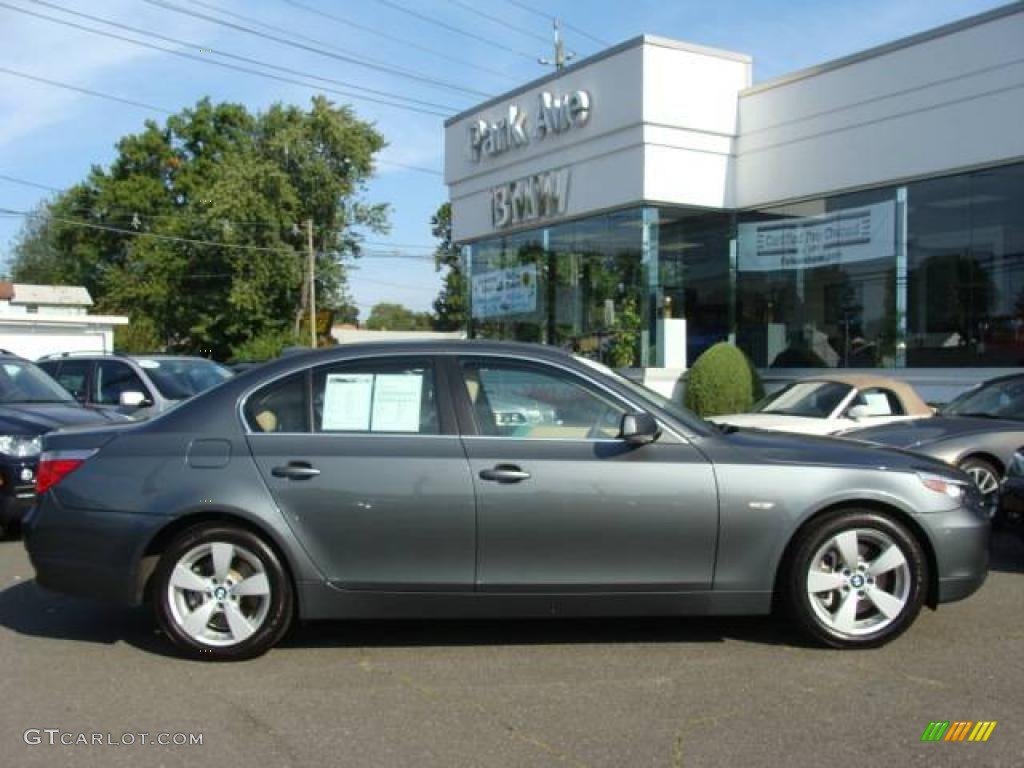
(348,399)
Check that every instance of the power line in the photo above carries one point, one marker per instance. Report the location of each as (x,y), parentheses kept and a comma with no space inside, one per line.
(224,65)
(497,20)
(383,35)
(332,53)
(197,241)
(452,28)
(549,17)
(182,216)
(87,91)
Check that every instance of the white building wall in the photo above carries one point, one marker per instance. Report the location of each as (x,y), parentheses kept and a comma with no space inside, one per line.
(661,128)
(947,100)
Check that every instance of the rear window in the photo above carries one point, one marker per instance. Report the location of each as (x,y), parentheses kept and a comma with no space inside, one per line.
(177,379)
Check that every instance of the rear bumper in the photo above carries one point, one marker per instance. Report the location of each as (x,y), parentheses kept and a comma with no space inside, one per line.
(87,553)
(960,538)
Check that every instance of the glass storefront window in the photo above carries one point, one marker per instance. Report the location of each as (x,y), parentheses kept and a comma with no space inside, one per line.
(930,274)
(693,274)
(577,285)
(966,269)
(816,283)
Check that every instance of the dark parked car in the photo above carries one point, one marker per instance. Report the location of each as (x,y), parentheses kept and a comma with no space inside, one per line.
(137,385)
(450,479)
(31,404)
(1011,496)
(979,432)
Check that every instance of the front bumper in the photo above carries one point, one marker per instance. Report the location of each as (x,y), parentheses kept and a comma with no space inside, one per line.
(17,489)
(87,553)
(960,539)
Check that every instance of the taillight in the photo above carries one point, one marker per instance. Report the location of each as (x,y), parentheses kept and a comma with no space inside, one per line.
(54,466)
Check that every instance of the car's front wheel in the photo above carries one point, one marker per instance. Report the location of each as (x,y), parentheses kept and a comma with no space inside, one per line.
(221,593)
(987,479)
(856,579)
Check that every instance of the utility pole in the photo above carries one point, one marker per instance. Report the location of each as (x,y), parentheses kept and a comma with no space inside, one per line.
(561,57)
(312,283)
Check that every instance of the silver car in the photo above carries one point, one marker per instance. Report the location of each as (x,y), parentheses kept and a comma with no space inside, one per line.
(383,481)
(135,385)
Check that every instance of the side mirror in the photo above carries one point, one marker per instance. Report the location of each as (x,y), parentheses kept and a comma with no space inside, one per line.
(639,429)
(133,399)
(859,412)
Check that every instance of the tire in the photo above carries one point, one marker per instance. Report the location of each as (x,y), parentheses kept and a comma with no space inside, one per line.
(985,476)
(875,599)
(202,575)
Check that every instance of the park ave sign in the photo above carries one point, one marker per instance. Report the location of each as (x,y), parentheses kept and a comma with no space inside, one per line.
(555,114)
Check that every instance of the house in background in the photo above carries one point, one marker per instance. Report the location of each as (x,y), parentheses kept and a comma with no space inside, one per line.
(37,320)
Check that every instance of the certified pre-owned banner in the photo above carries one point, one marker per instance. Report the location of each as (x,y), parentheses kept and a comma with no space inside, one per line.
(503,292)
(842,237)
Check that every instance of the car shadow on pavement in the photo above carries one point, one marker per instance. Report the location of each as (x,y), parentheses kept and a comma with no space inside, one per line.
(762,630)
(28,609)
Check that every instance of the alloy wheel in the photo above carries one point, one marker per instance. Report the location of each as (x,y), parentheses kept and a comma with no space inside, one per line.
(859,582)
(219,593)
(987,484)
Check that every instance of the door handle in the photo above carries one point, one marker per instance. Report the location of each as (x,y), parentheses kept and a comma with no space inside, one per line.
(504,473)
(295,471)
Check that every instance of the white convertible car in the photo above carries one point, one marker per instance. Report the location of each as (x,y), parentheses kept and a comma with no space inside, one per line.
(829,404)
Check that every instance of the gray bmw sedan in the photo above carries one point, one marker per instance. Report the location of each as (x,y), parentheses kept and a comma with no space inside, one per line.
(461,479)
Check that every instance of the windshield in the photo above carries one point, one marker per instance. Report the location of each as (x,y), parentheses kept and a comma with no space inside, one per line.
(180,378)
(814,399)
(22,382)
(998,400)
(651,397)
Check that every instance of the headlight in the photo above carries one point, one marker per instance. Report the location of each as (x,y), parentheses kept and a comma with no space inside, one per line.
(20,447)
(955,489)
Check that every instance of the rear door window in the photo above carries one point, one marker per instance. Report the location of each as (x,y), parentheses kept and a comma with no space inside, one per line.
(375,396)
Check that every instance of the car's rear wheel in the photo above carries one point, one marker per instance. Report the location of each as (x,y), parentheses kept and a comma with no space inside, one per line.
(987,478)
(856,579)
(221,593)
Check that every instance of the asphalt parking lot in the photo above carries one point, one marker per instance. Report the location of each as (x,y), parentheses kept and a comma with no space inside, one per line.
(659,692)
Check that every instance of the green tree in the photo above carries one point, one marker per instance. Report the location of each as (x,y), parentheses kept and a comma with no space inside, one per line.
(215,173)
(450,304)
(395,317)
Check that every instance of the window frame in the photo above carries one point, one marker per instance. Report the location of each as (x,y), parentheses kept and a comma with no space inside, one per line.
(467,413)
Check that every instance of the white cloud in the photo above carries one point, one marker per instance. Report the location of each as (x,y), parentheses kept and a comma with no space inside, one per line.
(57,52)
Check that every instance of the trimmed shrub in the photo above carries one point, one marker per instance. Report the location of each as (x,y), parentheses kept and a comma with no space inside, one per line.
(722,380)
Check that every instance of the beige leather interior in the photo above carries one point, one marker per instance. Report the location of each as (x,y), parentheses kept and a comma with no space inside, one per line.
(267,421)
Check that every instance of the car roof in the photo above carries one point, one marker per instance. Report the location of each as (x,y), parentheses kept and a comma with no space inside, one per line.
(441,346)
(912,402)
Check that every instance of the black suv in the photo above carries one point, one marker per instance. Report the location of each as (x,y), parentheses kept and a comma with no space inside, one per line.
(31,403)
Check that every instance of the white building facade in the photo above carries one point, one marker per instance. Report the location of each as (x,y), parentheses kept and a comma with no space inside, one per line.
(647,202)
(37,320)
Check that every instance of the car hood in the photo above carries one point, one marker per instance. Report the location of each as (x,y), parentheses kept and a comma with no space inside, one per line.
(916,432)
(811,450)
(37,418)
(806,425)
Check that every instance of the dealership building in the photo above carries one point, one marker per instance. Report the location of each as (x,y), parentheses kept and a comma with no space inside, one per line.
(648,201)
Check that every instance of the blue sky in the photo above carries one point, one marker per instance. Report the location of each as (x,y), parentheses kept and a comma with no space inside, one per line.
(52,136)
